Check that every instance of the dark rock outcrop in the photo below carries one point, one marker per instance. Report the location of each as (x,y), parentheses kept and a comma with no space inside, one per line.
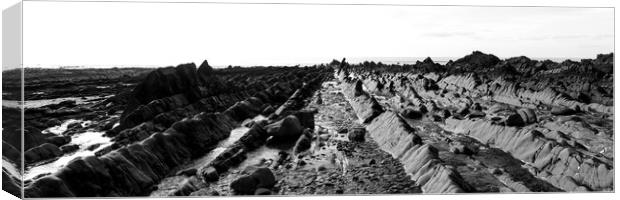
(42,152)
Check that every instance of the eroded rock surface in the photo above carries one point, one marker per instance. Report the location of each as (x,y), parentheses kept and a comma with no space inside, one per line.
(476,124)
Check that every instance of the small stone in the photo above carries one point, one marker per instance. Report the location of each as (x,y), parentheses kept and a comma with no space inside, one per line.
(357,135)
(210,174)
(495,171)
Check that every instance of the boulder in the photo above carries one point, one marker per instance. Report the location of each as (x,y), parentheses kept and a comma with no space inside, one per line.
(210,174)
(289,127)
(357,134)
(528,115)
(514,120)
(264,178)
(245,185)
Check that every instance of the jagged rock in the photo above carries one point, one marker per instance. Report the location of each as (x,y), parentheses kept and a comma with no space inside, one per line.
(161,83)
(419,159)
(478,59)
(133,169)
(42,152)
(357,134)
(562,166)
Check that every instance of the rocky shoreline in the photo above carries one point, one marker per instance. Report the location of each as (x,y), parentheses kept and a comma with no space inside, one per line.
(477,124)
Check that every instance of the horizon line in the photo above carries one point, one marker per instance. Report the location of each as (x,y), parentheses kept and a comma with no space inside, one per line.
(443,60)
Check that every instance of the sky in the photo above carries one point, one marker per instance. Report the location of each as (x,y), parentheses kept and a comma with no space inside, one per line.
(160,34)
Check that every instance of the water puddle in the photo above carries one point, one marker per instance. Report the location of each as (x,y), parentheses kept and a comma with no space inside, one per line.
(89,142)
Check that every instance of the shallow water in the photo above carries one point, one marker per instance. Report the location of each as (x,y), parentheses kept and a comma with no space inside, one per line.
(45,102)
(84,140)
(59,129)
